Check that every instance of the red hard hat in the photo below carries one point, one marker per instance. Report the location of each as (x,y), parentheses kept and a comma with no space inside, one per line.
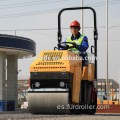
(75,23)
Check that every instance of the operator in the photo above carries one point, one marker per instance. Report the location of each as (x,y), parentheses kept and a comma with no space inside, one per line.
(79,41)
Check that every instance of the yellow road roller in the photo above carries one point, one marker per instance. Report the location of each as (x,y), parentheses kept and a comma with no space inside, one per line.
(59,83)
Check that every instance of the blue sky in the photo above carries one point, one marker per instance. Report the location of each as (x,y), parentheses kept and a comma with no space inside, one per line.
(46,40)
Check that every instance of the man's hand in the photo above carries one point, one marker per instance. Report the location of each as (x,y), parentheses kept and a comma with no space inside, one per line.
(75,45)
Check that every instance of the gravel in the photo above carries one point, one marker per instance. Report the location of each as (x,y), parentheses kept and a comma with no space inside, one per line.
(27,116)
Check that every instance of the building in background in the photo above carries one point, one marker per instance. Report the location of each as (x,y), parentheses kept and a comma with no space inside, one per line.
(23,86)
(113,89)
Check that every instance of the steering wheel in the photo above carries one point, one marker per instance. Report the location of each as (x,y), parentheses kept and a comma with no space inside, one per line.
(66,46)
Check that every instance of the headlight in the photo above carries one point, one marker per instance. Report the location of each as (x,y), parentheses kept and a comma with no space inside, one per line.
(37,84)
(35,72)
(62,84)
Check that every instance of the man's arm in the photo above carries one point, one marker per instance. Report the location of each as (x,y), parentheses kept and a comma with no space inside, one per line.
(84,45)
(63,44)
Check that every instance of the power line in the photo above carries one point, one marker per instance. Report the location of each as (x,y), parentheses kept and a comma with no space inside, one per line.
(40,12)
(29,13)
(30,4)
(65,37)
(90,39)
(103,2)
(23,3)
(110,40)
(3,0)
(56,28)
(114,26)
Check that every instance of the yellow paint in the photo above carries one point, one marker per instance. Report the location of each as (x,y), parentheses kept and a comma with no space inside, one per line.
(76,84)
(62,60)
(112,93)
(62,64)
(98,101)
(85,73)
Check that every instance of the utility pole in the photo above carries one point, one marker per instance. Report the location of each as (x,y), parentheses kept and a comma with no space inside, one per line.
(15,32)
(81,17)
(107,49)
